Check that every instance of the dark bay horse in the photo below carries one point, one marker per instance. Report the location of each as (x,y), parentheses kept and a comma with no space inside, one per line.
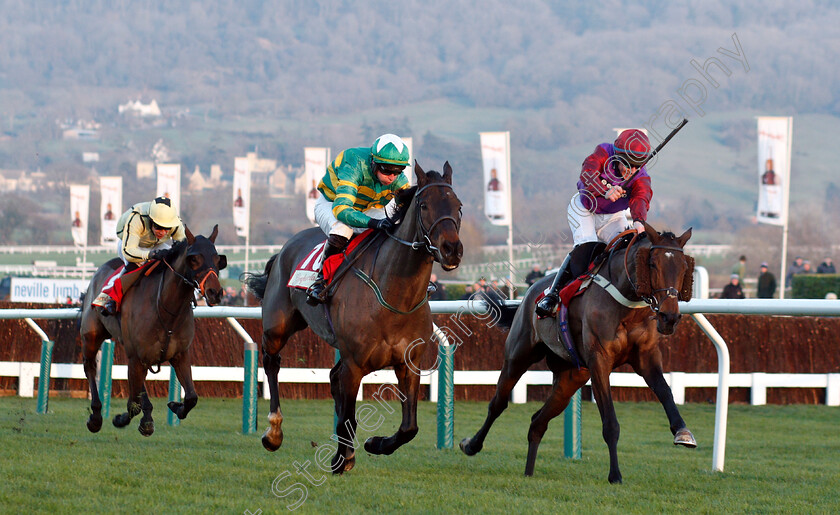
(606,334)
(155,324)
(378,315)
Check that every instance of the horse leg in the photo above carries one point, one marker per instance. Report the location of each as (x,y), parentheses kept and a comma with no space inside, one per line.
(182,364)
(344,385)
(273,341)
(91,345)
(409,384)
(512,370)
(649,366)
(566,383)
(135,387)
(147,425)
(272,438)
(600,368)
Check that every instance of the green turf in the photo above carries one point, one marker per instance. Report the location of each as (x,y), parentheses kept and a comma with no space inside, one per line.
(779,459)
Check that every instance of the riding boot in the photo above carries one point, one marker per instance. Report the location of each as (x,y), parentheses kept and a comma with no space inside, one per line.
(575,264)
(548,304)
(317,293)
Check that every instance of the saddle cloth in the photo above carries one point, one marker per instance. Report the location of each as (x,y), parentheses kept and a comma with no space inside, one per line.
(306,271)
(123,283)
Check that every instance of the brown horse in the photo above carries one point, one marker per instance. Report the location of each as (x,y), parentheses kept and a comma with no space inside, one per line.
(606,334)
(378,315)
(155,324)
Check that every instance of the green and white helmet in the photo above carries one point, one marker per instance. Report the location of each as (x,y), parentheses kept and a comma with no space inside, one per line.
(389,149)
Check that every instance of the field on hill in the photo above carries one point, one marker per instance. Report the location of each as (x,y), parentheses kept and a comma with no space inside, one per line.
(778,459)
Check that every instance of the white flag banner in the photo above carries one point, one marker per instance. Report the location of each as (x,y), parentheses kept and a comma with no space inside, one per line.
(495,157)
(409,170)
(242,196)
(315,161)
(774,144)
(169,184)
(79,202)
(110,208)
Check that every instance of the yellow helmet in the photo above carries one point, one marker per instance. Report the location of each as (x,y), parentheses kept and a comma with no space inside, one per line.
(163,214)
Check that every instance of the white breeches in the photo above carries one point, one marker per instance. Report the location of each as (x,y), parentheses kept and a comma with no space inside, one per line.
(587,226)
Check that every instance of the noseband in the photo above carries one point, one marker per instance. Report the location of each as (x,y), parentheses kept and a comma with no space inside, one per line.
(425,241)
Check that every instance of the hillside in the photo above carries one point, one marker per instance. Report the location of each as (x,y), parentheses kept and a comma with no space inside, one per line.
(279,76)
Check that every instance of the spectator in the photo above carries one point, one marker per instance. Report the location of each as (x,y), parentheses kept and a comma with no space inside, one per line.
(766,283)
(740,267)
(534,275)
(797,267)
(733,289)
(469,291)
(826,267)
(806,268)
(440,290)
(831,296)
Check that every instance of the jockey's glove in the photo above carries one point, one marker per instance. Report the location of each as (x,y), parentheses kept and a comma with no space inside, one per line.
(380,223)
(158,254)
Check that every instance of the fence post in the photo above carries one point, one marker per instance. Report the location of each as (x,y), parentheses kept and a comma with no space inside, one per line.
(44,378)
(446,396)
(174,396)
(572,428)
(106,363)
(249,390)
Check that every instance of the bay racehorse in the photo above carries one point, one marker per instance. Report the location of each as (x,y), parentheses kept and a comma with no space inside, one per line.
(155,324)
(606,333)
(378,315)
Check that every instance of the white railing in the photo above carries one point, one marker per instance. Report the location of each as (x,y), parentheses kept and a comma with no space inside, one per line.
(757,382)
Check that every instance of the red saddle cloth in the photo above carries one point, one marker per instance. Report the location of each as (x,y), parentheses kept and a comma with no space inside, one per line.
(116,291)
(306,271)
(570,291)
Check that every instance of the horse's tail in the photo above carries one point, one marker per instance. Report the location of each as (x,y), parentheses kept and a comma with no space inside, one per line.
(256,283)
(501,312)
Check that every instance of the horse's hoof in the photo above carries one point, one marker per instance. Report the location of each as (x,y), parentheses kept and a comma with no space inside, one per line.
(121,420)
(616,480)
(94,424)
(269,445)
(350,462)
(373,445)
(175,406)
(467,447)
(685,438)
(146,429)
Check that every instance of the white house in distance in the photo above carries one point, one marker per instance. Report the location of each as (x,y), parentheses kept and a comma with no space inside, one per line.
(138,108)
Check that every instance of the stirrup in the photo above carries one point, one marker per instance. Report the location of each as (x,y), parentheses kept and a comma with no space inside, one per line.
(317,293)
(547,306)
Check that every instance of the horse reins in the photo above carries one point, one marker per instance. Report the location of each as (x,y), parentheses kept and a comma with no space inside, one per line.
(426,242)
(651,299)
(415,245)
(192,283)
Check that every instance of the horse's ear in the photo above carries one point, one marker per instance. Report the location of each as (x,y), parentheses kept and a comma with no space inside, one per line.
(683,239)
(420,174)
(688,280)
(447,173)
(190,237)
(214,233)
(643,288)
(651,232)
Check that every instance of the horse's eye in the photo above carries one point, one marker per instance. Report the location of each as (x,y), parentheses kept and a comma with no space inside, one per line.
(423,205)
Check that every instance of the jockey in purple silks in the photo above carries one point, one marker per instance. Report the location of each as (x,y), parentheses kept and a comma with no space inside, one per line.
(612,186)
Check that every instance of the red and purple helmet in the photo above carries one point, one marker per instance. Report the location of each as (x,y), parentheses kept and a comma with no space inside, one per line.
(632,146)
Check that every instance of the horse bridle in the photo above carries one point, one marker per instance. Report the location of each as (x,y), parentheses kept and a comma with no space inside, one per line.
(425,242)
(651,300)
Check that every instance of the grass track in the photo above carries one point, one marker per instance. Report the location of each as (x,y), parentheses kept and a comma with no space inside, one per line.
(779,459)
